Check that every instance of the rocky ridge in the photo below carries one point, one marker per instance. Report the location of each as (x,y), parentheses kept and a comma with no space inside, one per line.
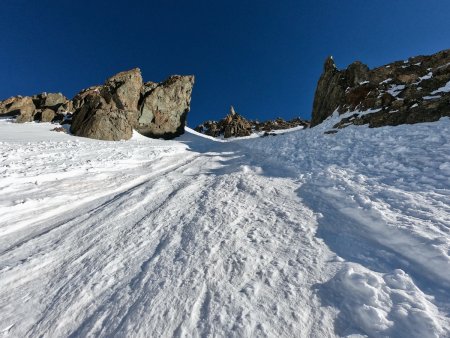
(412,91)
(403,92)
(111,111)
(235,125)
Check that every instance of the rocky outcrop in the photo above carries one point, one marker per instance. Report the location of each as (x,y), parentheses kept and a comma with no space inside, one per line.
(111,111)
(124,103)
(411,91)
(45,107)
(235,125)
(164,107)
(53,101)
(23,107)
(108,112)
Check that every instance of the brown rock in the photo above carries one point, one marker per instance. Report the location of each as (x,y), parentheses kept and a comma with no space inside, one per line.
(49,100)
(122,91)
(235,125)
(23,107)
(108,112)
(47,115)
(109,125)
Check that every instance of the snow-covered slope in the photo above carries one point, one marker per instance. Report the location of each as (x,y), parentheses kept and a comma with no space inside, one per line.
(296,235)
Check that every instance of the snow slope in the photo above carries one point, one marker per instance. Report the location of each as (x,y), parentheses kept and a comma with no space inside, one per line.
(295,235)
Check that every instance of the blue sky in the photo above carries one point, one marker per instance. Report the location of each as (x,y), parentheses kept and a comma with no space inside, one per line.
(263,57)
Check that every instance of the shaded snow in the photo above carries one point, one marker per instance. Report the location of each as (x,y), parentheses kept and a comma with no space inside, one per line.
(395,90)
(386,81)
(422,78)
(302,234)
(444,89)
(433,97)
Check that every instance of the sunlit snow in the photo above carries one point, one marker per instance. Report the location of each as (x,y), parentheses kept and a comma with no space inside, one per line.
(297,235)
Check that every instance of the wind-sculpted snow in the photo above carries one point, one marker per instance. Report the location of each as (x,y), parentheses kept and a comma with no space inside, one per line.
(297,235)
(382,199)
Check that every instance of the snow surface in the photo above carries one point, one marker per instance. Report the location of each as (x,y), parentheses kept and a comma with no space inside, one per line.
(296,235)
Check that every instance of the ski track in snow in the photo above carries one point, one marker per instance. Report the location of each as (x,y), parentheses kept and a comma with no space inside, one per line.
(298,235)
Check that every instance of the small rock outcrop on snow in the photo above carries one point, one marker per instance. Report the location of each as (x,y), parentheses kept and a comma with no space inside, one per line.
(45,107)
(235,125)
(403,92)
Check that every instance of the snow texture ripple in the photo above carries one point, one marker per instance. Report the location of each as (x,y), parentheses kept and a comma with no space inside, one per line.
(296,235)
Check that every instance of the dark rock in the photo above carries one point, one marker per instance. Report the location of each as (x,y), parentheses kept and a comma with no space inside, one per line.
(235,125)
(397,93)
(59,130)
(330,92)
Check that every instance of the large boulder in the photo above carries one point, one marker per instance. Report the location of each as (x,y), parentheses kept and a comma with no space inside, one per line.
(80,99)
(164,107)
(105,124)
(6,103)
(411,91)
(122,91)
(124,103)
(108,112)
(20,106)
(49,100)
(47,115)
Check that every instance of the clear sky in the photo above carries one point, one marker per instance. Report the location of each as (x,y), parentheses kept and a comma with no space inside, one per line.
(263,57)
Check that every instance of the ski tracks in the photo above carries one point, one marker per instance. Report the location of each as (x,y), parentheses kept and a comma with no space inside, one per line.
(210,247)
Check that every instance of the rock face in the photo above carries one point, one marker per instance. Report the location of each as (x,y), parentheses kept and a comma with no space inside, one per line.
(412,91)
(108,112)
(235,125)
(124,103)
(164,107)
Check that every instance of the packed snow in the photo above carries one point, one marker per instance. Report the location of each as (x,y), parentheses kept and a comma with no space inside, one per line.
(303,234)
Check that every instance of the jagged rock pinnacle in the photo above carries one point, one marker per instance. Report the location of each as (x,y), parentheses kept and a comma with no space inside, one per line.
(329,64)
